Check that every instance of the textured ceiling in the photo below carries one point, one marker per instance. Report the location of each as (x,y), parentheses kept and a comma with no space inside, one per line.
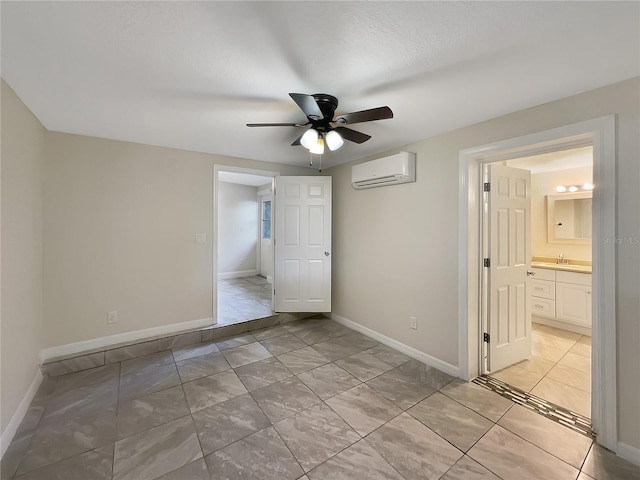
(190,74)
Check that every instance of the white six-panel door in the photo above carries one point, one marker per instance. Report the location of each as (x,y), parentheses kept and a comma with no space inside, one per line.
(302,248)
(509,316)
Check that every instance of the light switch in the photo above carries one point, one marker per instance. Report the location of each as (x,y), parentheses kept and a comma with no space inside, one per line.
(201,238)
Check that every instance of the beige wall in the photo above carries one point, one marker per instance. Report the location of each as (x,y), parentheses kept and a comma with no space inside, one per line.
(543,184)
(120,225)
(237,227)
(23,140)
(395,248)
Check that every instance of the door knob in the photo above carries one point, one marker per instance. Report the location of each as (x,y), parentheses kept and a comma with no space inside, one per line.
(530,273)
(326,254)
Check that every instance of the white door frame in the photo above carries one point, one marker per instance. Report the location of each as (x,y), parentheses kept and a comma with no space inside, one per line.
(599,132)
(214,243)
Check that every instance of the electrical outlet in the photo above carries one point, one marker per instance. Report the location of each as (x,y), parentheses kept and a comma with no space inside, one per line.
(201,238)
(112,317)
(413,322)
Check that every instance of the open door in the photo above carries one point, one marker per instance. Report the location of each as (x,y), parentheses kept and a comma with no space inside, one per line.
(509,239)
(302,244)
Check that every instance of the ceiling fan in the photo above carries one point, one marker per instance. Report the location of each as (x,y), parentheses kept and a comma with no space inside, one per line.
(324,128)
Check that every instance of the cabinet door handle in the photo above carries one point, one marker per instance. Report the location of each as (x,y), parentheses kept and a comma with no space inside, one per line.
(530,273)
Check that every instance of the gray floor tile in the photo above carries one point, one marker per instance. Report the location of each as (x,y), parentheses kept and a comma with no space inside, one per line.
(508,456)
(76,364)
(283,344)
(485,402)
(388,355)
(401,389)
(65,436)
(328,380)
(468,469)
(246,354)
(13,455)
(263,373)
(454,422)
(149,374)
(307,323)
(178,341)
(227,422)
(191,471)
(152,453)
(412,449)
(302,360)
(364,366)
(94,465)
(601,464)
(202,366)
(195,351)
(425,374)
(358,462)
(270,332)
(363,409)
(323,332)
(315,434)
(143,413)
(260,456)
(121,354)
(342,347)
(284,399)
(235,341)
(560,441)
(214,389)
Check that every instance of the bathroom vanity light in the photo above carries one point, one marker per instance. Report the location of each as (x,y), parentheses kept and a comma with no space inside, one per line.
(574,188)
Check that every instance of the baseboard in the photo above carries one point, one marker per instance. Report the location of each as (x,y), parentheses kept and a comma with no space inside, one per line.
(239,274)
(21,411)
(561,325)
(629,453)
(401,347)
(97,344)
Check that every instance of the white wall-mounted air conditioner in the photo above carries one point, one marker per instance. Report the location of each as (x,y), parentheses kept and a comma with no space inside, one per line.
(392,170)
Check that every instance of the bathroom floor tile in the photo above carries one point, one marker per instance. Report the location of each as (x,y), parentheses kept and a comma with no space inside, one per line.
(302,360)
(263,373)
(328,380)
(284,399)
(213,389)
(363,366)
(483,401)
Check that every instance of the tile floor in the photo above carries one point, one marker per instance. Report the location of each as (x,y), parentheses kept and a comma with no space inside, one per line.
(242,299)
(313,400)
(559,370)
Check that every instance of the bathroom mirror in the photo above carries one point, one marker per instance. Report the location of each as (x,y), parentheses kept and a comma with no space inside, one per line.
(569,218)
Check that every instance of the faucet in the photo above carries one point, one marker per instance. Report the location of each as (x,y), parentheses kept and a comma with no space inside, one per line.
(561,259)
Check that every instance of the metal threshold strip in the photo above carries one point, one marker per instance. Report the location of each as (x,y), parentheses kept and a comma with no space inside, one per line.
(574,421)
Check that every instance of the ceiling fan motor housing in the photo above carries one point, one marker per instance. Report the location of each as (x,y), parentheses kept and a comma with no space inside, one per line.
(327,104)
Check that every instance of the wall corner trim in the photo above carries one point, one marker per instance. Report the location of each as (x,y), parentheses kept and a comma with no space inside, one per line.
(401,347)
(21,411)
(629,453)
(103,343)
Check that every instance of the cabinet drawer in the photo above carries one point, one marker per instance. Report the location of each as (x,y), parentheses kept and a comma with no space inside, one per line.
(544,274)
(542,288)
(543,307)
(572,277)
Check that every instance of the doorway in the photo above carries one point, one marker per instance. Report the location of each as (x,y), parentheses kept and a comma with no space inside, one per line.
(599,133)
(243,257)
(537,289)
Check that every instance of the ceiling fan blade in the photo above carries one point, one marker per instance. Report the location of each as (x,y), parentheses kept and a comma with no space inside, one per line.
(276,124)
(352,135)
(380,113)
(308,105)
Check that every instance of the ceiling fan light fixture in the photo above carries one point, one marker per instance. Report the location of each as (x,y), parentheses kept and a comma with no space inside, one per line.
(334,140)
(309,139)
(318,147)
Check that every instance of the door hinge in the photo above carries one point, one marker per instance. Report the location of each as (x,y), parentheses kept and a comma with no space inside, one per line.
(487,187)
(486,262)
(486,337)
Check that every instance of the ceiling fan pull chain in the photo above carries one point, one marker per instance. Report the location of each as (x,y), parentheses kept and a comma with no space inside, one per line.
(310,159)
(320,165)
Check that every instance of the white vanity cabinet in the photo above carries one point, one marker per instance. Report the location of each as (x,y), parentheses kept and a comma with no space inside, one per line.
(560,298)
(573,298)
